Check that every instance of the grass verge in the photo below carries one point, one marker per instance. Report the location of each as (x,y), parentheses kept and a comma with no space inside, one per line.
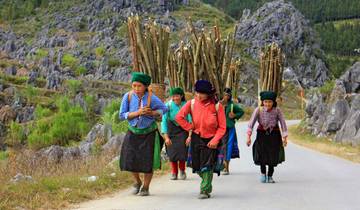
(300,136)
(58,186)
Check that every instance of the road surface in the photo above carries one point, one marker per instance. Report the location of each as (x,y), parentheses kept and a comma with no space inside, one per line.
(307,180)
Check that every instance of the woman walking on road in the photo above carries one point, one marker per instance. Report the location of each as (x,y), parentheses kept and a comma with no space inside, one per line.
(140,151)
(208,127)
(268,147)
(177,139)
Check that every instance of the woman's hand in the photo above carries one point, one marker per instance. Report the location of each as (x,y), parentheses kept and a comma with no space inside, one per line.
(212,145)
(168,142)
(285,141)
(248,142)
(232,115)
(142,111)
(188,141)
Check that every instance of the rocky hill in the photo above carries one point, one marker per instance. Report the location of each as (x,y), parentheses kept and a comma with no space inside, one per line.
(281,22)
(335,111)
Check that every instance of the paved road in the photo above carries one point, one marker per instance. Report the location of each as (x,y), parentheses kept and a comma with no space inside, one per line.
(307,180)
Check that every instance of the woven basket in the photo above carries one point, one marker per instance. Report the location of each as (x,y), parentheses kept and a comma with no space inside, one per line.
(189,96)
(158,90)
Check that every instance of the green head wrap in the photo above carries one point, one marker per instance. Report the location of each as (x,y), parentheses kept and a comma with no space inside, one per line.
(176,91)
(141,77)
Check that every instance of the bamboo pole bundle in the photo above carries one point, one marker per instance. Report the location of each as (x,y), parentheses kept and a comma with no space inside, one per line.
(271,69)
(204,56)
(180,68)
(150,48)
(213,57)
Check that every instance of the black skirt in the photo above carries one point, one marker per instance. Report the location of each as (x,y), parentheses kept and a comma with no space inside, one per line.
(177,151)
(137,152)
(203,158)
(268,148)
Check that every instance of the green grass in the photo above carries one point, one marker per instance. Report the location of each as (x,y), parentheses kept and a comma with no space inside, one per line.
(327,88)
(3,155)
(69,60)
(339,64)
(206,13)
(339,23)
(302,137)
(62,185)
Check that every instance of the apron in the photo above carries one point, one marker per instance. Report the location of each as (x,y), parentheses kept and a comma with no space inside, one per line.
(177,151)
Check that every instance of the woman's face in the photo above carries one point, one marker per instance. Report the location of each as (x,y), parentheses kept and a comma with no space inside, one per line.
(202,96)
(226,97)
(139,88)
(177,99)
(268,104)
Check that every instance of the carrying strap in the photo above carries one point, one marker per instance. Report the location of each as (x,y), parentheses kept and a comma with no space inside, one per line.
(148,99)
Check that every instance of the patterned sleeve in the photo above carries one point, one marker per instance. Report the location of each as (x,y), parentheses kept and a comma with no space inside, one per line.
(253,119)
(284,130)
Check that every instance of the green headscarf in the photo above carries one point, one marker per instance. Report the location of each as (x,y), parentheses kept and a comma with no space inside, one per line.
(176,91)
(141,77)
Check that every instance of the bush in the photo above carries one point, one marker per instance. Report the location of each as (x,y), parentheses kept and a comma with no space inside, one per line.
(114,63)
(81,70)
(69,60)
(327,88)
(100,52)
(16,135)
(4,155)
(41,112)
(73,86)
(68,124)
(40,137)
(30,93)
(111,117)
(90,105)
(40,53)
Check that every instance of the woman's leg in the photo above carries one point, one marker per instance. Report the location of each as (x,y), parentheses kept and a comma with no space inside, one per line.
(182,165)
(147,180)
(137,178)
(271,171)
(182,170)
(263,169)
(227,163)
(270,174)
(137,184)
(206,183)
(174,167)
(263,173)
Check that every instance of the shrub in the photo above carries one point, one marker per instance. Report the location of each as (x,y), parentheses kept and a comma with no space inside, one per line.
(69,60)
(68,124)
(111,117)
(114,63)
(327,88)
(16,134)
(100,52)
(41,53)
(41,112)
(81,70)
(73,86)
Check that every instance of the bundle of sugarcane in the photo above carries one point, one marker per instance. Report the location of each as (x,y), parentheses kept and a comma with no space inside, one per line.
(180,68)
(271,69)
(150,47)
(212,58)
(233,80)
